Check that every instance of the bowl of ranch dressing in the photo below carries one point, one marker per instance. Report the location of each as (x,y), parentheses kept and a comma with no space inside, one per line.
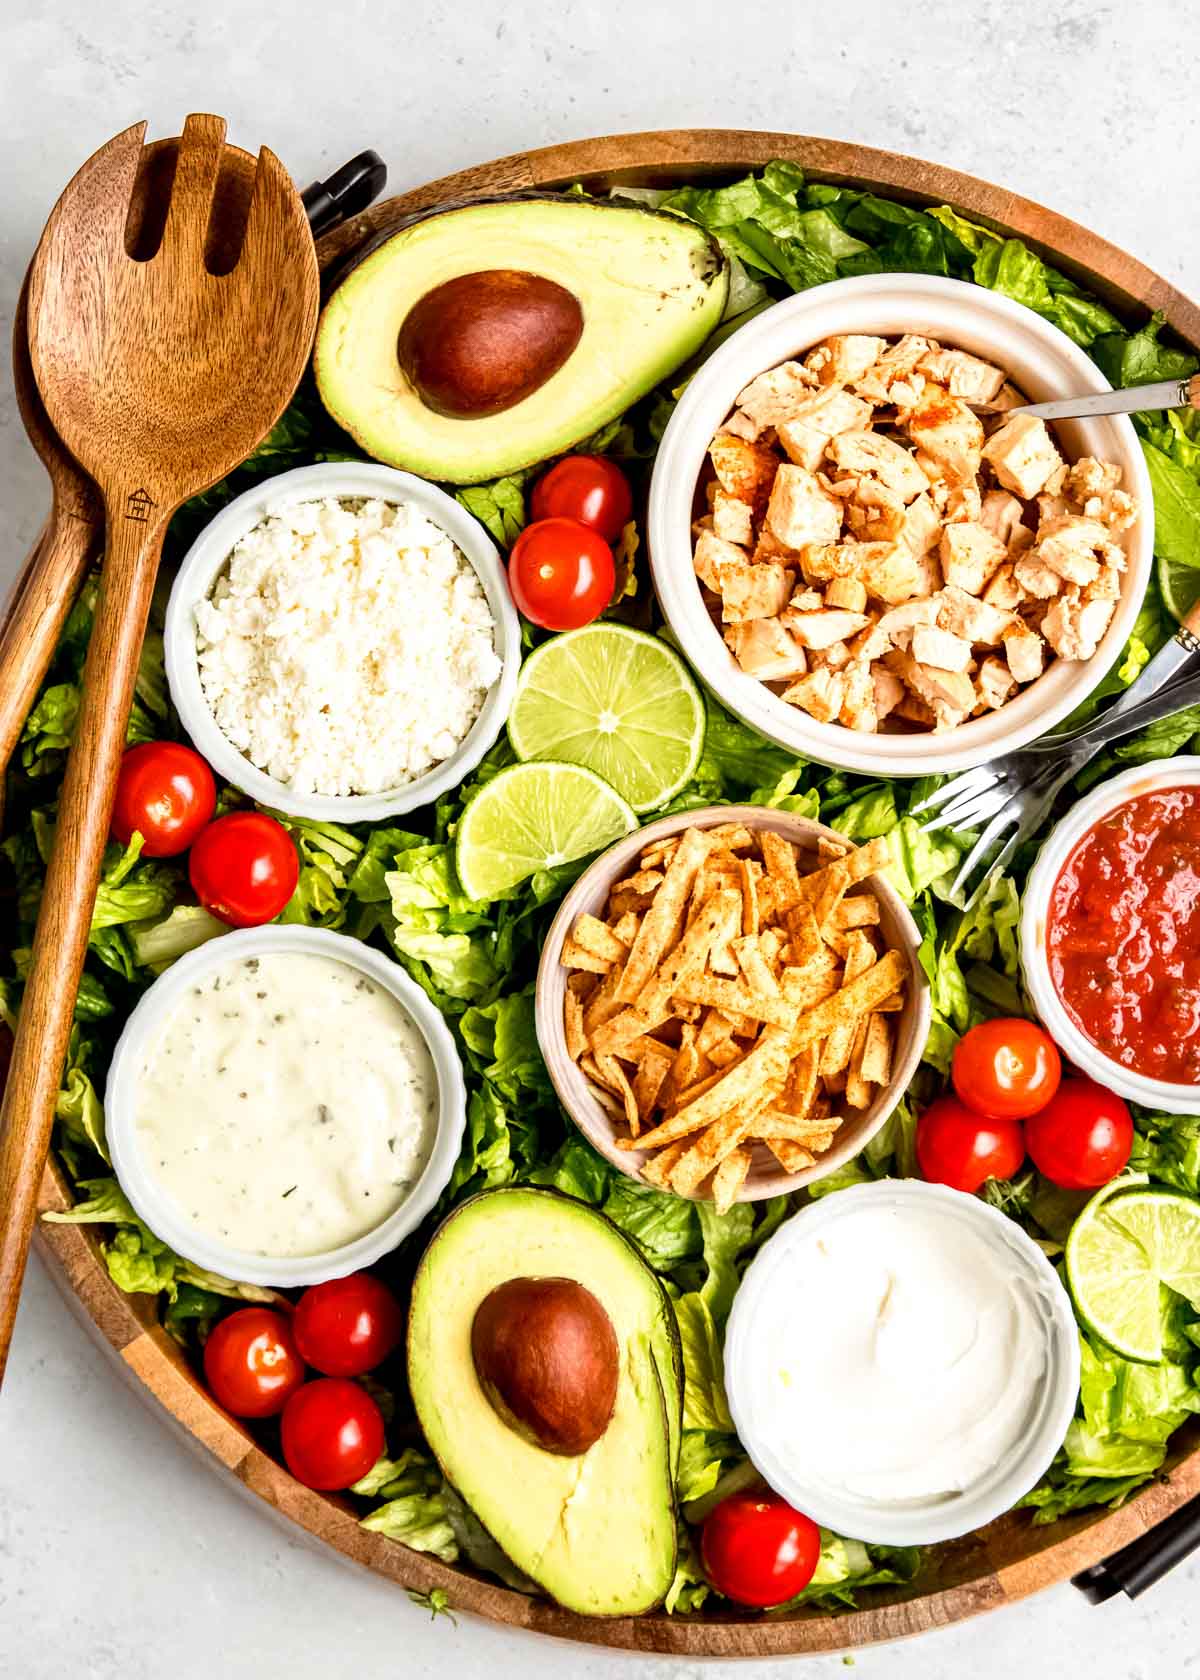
(902,1362)
(284,1105)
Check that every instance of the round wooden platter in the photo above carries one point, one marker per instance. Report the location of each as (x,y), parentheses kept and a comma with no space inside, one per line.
(999,1564)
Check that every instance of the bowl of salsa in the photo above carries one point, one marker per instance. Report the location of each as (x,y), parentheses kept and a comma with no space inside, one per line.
(1110,934)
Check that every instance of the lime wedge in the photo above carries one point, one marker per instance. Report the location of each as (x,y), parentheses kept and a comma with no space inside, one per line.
(617,701)
(531,817)
(1123,1250)
(1180,586)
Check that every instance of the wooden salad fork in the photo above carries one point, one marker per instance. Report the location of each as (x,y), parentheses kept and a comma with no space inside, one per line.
(159,376)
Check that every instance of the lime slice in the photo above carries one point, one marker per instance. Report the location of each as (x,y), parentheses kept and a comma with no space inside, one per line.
(531,817)
(1123,1250)
(1180,586)
(617,701)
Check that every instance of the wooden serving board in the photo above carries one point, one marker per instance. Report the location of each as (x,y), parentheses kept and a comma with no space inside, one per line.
(999,1564)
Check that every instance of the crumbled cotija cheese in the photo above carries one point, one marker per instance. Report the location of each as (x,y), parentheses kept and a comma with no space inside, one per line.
(347,646)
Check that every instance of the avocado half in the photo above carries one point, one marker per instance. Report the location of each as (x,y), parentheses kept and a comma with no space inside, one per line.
(485,337)
(596,1531)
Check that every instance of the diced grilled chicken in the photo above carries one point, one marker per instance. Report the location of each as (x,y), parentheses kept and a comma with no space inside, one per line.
(822,629)
(754,591)
(1035,577)
(864,452)
(970,554)
(967,616)
(945,429)
(931,646)
(820,693)
(858,704)
(833,658)
(844,358)
(899,622)
(732,518)
(889,690)
(1068,546)
(801,510)
(765,650)
(776,394)
(1022,455)
(950,695)
(962,375)
(1024,651)
(995,683)
(1003,515)
(922,526)
(896,364)
(713,555)
(745,470)
(847,593)
(1074,626)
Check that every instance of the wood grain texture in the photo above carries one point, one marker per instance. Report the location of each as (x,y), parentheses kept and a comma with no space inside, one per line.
(1002,1563)
(158,376)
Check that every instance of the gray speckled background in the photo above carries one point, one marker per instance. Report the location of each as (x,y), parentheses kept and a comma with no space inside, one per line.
(121,1556)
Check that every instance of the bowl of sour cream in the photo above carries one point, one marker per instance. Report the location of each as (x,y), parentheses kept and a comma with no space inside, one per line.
(284,1105)
(902,1362)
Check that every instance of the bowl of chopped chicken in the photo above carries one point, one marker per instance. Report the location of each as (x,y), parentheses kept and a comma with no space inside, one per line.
(867,557)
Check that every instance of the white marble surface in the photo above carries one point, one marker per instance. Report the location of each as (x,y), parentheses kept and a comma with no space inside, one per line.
(122,1557)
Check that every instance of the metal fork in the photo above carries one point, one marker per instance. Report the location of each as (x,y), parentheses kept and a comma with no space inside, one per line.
(1015,793)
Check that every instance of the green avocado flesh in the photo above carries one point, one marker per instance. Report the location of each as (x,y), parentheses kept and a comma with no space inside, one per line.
(597,1531)
(651,287)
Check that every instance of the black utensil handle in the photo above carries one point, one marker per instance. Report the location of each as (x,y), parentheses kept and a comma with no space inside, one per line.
(347,191)
(1144,1561)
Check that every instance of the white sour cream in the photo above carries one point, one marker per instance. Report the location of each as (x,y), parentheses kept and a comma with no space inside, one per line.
(897,1357)
(287,1104)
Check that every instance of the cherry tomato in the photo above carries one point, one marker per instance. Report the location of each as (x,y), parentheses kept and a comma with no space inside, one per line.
(958,1147)
(244,868)
(757,1549)
(1082,1138)
(588,488)
(166,792)
(251,1363)
(561,574)
(1006,1069)
(348,1325)
(332,1433)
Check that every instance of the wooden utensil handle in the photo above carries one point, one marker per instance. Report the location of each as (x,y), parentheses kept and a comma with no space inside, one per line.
(64,922)
(29,635)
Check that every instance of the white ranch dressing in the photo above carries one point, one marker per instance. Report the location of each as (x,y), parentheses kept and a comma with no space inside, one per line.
(287,1104)
(897,1358)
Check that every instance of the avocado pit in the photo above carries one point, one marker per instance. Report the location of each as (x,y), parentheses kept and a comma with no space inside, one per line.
(545,1353)
(481,343)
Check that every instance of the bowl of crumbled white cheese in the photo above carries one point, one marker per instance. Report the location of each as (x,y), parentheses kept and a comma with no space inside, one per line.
(341,643)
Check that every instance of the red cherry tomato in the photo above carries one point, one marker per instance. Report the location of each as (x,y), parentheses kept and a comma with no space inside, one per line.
(958,1147)
(166,792)
(244,868)
(1006,1069)
(588,488)
(757,1549)
(332,1433)
(348,1326)
(561,574)
(1082,1138)
(251,1363)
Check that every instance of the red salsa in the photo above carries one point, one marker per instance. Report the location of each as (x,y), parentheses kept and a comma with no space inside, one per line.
(1123,935)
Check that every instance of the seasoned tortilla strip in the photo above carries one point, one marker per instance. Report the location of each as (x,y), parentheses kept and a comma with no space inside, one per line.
(648,1082)
(774,1123)
(836,879)
(591,934)
(725,1054)
(758,1075)
(891,1005)
(577,1040)
(779,855)
(577,956)
(830,850)
(869,859)
(660,852)
(735,837)
(759,978)
(751,920)
(835,1055)
(792,1157)
(602,1005)
(639,1050)
(805,987)
(616,1080)
(641,881)
(858,998)
(800,1088)
(712,924)
(619,1029)
(682,1071)
(629,903)
(862,910)
(806,934)
(731,996)
(594,1067)
(876,1063)
(657,1170)
(688,1093)
(625,929)
(660,924)
(729,1178)
(715,1029)
(710,1148)
(583,985)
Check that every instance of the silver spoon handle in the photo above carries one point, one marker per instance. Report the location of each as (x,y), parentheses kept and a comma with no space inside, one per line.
(1128,719)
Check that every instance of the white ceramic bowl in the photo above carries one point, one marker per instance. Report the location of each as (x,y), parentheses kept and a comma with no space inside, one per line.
(1039,359)
(200,569)
(913,1523)
(153,1204)
(1130,784)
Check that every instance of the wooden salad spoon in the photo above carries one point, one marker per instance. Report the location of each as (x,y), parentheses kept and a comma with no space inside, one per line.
(159,376)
